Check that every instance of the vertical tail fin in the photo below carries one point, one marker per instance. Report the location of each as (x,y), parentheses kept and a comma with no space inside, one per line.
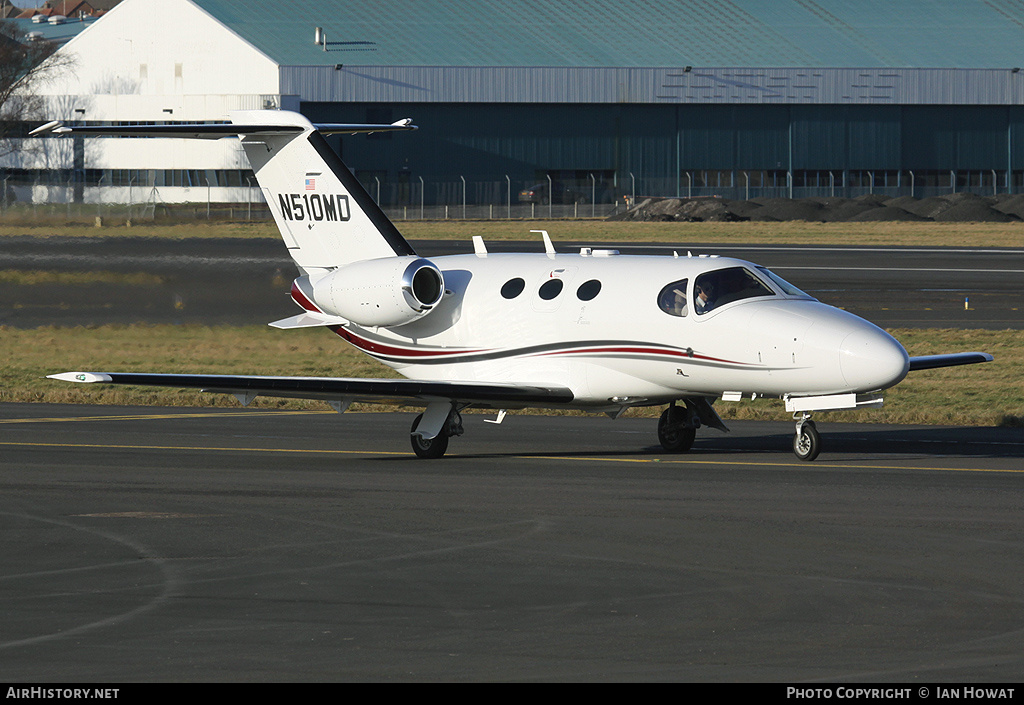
(326,217)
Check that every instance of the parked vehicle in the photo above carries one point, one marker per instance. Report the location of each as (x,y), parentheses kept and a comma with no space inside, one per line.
(538,193)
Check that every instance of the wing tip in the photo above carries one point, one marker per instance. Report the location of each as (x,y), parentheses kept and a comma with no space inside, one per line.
(930,362)
(80,377)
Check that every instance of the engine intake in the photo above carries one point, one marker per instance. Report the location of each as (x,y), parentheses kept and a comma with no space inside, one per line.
(381,292)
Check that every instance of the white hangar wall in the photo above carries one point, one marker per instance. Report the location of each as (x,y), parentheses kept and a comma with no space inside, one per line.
(145,61)
(146,58)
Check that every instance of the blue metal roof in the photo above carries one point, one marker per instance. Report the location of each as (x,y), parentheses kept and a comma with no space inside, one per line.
(645,33)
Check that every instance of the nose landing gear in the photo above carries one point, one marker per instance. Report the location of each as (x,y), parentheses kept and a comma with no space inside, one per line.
(807,441)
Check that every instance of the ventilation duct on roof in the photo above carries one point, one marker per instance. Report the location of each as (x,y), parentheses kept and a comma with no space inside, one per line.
(318,35)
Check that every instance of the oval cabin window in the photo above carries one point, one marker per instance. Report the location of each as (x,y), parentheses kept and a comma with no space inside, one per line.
(513,288)
(672,299)
(588,290)
(550,289)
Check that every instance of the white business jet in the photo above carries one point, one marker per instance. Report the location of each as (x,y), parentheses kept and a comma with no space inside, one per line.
(592,330)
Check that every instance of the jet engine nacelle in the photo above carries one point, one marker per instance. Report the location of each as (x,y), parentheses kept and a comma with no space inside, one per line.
(381,292)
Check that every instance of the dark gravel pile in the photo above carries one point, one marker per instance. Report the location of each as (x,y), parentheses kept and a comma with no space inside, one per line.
(957,207)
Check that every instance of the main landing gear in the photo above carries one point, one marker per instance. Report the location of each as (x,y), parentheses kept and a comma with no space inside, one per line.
(807,441)
(430,448)
(677,428)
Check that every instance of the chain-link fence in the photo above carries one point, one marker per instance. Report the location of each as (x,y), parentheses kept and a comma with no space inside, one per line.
(49,197)
(66,196)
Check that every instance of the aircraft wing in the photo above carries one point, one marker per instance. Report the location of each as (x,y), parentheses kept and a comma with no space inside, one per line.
(929,362)
(339,389)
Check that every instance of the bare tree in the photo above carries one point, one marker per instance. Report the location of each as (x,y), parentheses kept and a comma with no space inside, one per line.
(24,66)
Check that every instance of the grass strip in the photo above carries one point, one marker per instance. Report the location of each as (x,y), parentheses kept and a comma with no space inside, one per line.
(976,395)
(883,234)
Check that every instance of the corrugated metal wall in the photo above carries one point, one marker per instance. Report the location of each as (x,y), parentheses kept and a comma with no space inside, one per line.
(704,85)
(490,142)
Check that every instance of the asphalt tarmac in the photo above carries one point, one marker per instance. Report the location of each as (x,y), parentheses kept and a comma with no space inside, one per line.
(150,544)
(246,281)
(146,544)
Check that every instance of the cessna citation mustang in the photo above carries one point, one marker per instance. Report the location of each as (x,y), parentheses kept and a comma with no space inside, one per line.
(592,330)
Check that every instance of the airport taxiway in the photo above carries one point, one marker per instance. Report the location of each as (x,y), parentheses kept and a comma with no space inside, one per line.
(245,281)
(157,544)
(148,544)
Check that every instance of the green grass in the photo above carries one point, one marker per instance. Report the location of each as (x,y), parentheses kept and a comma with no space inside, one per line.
(977,395)
(797,232)
(172,231)
(988,394)
(599,232)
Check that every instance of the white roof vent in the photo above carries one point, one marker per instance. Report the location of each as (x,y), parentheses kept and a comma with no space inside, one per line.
(57,19)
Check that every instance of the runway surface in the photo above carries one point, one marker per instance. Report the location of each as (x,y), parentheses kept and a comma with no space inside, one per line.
(149,544)
(246,281)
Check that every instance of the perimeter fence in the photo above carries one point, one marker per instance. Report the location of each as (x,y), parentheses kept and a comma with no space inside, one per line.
(134,195)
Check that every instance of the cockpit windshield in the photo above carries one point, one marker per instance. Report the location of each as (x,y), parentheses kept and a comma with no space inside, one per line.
(713,290)
(786,287)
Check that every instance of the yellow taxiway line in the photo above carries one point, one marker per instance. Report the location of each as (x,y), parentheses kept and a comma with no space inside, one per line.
(147,417)
(312,451)
(566,458)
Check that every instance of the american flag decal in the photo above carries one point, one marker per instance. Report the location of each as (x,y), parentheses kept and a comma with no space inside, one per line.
(311,184)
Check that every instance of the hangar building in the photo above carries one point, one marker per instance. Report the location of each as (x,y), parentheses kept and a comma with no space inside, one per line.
(660,97)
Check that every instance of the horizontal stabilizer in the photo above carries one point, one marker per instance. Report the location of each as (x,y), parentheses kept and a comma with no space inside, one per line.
(929,362)
(400,391)
(309,319)
(213,131)
(326,217)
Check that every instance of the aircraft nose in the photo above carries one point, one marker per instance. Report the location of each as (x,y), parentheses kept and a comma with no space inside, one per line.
(871,359)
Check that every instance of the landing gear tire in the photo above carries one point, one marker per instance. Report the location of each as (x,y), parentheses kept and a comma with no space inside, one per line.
(807,442)
(428,448)
(673,432)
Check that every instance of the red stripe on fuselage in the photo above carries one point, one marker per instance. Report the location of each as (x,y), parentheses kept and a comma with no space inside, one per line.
(643,351)
(300,298)
(382,349)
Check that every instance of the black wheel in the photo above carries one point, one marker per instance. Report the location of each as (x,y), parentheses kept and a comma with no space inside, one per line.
(675,437)
(807,443)
(428,448)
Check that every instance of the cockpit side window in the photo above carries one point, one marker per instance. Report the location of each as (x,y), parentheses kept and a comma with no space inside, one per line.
(713,290)
(672,299)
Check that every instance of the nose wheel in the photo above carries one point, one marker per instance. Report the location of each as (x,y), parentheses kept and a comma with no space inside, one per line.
(807,441)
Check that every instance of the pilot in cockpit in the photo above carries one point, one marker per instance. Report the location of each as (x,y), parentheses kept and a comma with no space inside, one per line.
(704,295)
